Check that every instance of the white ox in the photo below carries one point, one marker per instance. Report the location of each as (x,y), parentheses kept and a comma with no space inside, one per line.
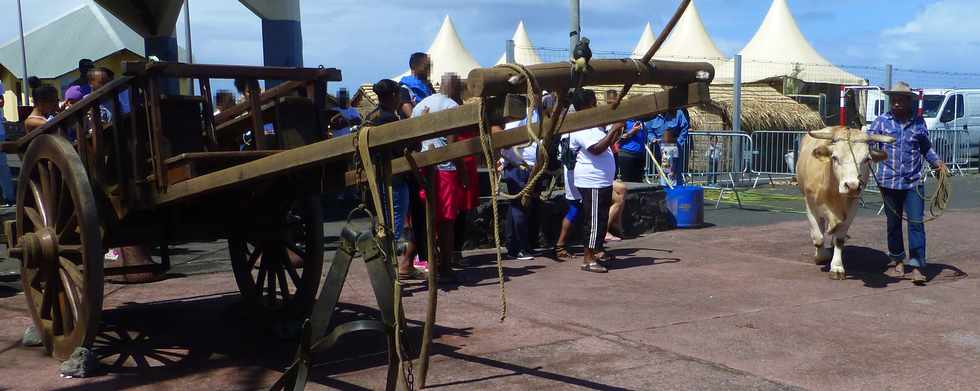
(832,169)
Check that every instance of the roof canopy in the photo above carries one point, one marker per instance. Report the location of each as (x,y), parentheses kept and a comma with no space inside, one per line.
(55,48)
(524,52)
(689,40)
(448,54)
(779,49)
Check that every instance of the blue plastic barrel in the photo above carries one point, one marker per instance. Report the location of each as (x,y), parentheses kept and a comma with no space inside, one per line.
(686,203)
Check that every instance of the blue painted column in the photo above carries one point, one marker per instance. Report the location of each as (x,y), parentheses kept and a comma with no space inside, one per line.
(282,34)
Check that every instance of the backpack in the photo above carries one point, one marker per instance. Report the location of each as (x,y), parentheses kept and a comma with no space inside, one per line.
(567,154)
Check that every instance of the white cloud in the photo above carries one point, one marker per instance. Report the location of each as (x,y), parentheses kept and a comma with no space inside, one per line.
(944,34)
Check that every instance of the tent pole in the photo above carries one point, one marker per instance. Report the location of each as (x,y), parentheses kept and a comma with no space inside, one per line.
(576,27)
(23,57)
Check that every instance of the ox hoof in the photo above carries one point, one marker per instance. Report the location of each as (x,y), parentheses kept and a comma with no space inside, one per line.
(822,256)
(838,275)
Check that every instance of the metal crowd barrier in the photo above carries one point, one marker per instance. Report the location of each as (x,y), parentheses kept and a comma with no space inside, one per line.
(953,147)
(775,154)
(714,160)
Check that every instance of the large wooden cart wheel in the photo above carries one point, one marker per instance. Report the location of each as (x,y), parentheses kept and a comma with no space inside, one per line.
(60,243)
(278,266)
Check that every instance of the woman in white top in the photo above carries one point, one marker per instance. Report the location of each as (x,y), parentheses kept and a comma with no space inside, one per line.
(595,170)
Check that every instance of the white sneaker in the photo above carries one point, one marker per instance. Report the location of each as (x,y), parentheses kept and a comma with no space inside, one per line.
(112,255)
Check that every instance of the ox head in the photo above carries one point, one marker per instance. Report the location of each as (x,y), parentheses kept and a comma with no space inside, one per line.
(849,155)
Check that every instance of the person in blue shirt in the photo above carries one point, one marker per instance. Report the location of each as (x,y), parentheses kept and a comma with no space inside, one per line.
(672,128)
(6,181)
(412,89)
(632,158)
(416,86)
(84,66)
(899,178)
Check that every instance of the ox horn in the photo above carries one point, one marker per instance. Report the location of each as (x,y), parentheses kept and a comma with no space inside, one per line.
(880,138)
(822,134)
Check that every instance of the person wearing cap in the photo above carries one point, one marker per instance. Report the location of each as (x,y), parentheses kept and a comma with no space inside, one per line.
(84,66)
(899,178)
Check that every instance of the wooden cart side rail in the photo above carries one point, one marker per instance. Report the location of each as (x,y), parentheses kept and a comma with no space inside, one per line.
(211,71)
(112,89)
(555,76)
(427,126)
(267,96)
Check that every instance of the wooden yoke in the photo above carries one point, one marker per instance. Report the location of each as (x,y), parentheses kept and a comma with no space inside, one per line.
(642,106)
(555,76)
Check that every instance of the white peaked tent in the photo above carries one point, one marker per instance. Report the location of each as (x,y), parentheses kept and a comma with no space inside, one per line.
(524,53)
(448,54)
(779,49)
(688,42)
(646,40)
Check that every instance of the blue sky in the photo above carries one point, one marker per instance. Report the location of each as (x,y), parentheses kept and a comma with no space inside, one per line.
(371,39)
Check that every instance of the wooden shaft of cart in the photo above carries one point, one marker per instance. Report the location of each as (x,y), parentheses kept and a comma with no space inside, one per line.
(402,133)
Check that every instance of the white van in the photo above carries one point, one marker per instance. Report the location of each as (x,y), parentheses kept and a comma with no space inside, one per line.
(945,111)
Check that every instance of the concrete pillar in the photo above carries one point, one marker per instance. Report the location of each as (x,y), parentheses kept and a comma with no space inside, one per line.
(156,22)
(282,34)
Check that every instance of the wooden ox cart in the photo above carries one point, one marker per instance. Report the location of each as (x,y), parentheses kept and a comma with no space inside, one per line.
(170,171)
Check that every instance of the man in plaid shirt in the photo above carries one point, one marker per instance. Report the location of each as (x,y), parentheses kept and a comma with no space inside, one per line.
(900,180)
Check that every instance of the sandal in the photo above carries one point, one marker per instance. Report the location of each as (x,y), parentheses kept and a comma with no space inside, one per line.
(898,271)
(604,257)
(917,277)
(561,252)
(594,268)
(413,274)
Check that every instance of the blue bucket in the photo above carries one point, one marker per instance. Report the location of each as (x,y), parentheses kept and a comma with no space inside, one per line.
(686,203)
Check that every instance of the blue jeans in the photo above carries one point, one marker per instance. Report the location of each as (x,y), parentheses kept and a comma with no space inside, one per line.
(6,180)
(910,203)
(520,224)
(399,194)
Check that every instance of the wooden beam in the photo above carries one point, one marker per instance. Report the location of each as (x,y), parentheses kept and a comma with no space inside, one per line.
(394,135)
(556,76)
(267,96)
(637,107)
(210,71)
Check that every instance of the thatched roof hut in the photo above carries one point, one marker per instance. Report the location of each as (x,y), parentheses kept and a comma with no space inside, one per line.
(763,108)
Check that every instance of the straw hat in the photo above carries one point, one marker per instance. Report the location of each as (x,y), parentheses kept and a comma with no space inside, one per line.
(901,88)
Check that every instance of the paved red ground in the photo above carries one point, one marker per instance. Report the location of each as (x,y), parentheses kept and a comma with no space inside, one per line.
(719,308)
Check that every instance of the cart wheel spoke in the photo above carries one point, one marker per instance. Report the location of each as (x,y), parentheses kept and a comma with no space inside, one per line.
(296,250)
(34,216)
(252,259)
(293,275)
(38,203)
(70,226)
(271,288)
(267,284)
(62,285)
(281,274)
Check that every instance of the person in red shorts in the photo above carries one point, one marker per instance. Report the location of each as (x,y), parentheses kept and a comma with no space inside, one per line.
(449,178)
(469,200)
